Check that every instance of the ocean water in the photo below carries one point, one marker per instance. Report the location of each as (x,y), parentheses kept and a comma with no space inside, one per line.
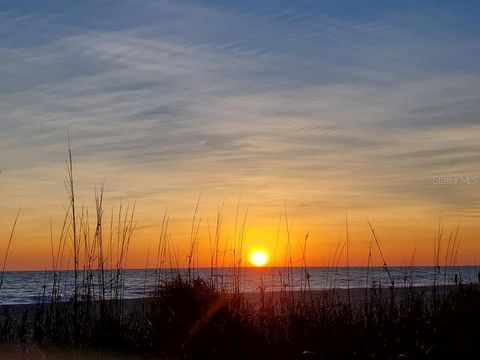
(29,287)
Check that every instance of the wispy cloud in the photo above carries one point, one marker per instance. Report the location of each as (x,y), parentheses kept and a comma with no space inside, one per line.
(323,103)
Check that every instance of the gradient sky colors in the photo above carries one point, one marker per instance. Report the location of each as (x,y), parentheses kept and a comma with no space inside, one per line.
(332,107)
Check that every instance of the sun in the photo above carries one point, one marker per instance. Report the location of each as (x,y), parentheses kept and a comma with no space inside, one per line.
(259,258)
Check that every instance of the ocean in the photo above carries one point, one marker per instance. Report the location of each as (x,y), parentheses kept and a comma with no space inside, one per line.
(29,287)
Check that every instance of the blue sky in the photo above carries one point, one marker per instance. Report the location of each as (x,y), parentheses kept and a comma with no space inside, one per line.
(325,104)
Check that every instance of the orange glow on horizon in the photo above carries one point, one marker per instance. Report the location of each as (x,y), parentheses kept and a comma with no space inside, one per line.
(31,246)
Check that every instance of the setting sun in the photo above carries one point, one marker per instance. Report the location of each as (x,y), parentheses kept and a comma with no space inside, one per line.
(259,258)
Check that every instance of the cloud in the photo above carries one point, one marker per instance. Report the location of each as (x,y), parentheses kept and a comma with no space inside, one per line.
(307,101)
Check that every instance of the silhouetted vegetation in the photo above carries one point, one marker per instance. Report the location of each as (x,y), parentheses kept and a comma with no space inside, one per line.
(192,319)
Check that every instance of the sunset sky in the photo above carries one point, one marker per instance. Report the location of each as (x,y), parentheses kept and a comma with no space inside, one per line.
(325,108)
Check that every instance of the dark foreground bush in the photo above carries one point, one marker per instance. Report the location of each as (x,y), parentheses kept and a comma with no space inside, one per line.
(191,320)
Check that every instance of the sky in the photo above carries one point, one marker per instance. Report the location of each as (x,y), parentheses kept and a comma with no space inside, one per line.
(320,110)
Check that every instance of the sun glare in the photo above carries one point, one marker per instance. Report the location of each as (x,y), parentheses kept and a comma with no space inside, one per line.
(259,258)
